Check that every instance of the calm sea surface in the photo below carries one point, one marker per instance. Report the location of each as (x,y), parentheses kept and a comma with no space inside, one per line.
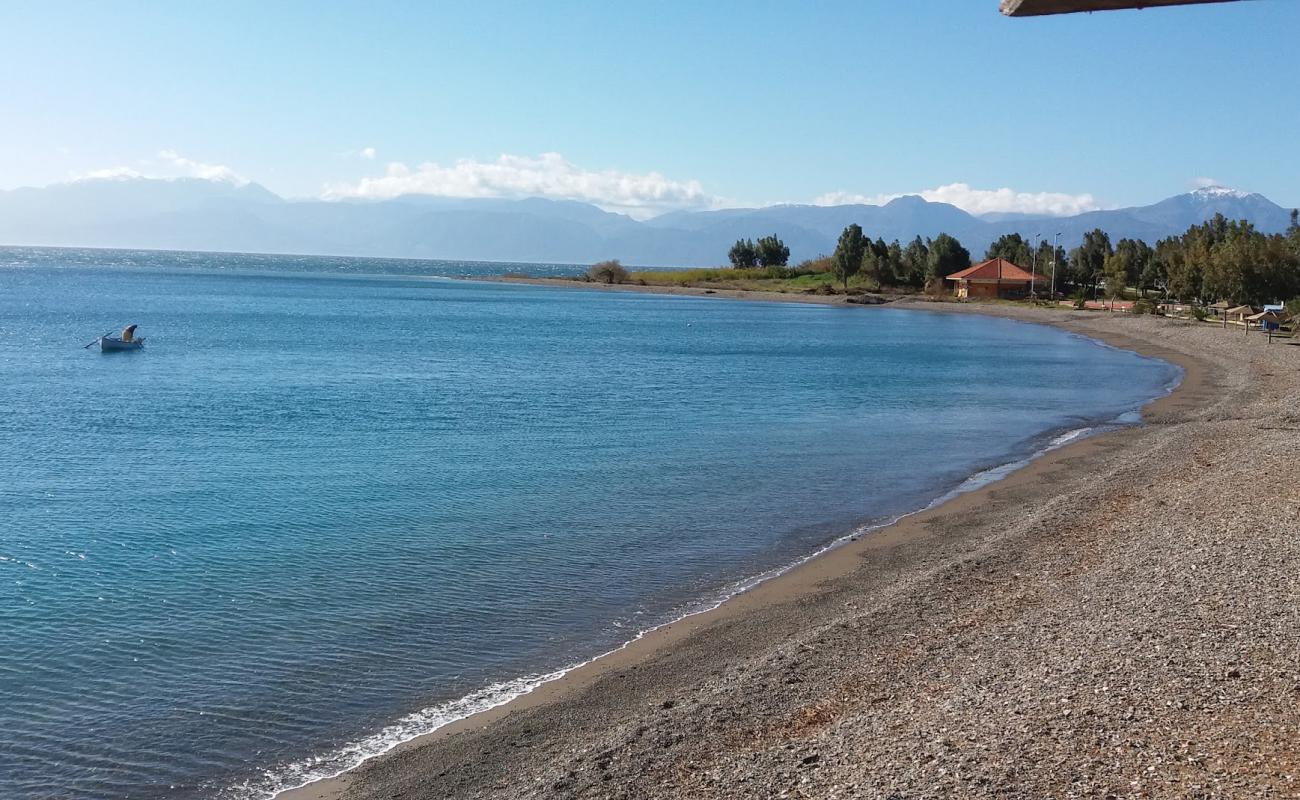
(333,504)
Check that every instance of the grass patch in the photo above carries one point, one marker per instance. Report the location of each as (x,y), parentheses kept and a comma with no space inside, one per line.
(790,280)
(691,277)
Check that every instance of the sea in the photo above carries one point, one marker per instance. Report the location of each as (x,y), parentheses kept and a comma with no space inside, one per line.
(335,503)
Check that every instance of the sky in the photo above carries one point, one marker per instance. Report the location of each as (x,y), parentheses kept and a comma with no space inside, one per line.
(650,107)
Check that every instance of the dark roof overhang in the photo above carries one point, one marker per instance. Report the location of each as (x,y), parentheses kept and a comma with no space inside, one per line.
(1033,8)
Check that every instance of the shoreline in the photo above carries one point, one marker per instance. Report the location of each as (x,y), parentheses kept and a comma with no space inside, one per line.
(679,291)
(334,786)
(834,561)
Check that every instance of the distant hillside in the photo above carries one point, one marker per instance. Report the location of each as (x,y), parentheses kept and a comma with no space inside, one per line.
(193,214)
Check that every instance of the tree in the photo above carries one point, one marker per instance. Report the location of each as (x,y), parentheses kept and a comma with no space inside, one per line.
(1230,272)
(849,253)
(608,272)
(877,262)
(946,257)
(1186,274)
(915,258)
(1279,270)
(771,252)
(1137,254)
(1116,269)
(744,254)
(1089,258)
(893,264)
(1012,247)
(1156,274)
(1293,233)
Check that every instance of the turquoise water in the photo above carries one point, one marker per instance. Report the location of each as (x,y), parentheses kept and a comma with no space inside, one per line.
(327,509)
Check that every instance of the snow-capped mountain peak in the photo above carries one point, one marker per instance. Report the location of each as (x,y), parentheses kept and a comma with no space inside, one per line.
(1218,192)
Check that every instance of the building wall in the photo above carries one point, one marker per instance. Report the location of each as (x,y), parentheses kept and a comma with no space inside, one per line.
(986,291)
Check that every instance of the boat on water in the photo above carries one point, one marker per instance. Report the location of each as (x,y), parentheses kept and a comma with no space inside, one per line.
(126,341)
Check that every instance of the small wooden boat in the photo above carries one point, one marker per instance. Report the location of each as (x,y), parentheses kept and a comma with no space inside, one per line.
(117,344)
(112,344)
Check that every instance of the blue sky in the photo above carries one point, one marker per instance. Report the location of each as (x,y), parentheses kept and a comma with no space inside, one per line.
(651,106)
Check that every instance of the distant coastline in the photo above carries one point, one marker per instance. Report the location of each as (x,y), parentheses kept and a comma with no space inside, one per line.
(219,216)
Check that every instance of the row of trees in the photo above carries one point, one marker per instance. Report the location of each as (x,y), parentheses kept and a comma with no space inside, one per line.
(916,264)
(1219,259)
(768,251)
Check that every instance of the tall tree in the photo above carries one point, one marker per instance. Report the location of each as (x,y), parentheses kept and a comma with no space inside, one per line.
(772,252)
(1187,276)
(1156,273)
(1116,270)
(915,257)
(875,260)
(1089,259)
(1136,255)
(894,264)
(1293,232)
(743,254)
(849,253)
(1230,259)
(946,257)
(1279,270)
(1012,247)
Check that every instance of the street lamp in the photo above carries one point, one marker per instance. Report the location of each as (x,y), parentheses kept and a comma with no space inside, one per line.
(1033,265)
(1056,247)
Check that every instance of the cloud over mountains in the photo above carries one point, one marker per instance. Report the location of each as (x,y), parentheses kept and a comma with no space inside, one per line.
(980,201)
(548,175)
(218,213)
(640,195)
(168,165)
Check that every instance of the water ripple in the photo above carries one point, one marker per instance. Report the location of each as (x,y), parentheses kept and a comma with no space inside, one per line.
(325,513)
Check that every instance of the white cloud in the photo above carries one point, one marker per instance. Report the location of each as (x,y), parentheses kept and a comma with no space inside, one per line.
(110,173)
(980,201)
(197,169)
(167,165)
(368,153)
(1205,183)
(547,175)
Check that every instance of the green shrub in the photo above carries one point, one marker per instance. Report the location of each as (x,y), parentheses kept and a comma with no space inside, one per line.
(1144,306)
(608,272)
(822,264)
(1200,314)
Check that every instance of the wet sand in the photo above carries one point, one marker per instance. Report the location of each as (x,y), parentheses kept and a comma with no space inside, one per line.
(1111,619)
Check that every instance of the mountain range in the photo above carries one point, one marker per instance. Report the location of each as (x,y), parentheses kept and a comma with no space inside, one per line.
(197,214)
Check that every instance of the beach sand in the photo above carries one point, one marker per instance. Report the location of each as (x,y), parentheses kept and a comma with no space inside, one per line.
(1120,618)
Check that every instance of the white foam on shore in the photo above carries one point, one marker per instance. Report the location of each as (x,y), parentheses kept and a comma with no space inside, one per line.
(426,721)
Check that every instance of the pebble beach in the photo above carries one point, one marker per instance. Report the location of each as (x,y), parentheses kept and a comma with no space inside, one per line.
(1118,619)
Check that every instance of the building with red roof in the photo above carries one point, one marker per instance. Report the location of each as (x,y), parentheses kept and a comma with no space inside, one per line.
(995,278)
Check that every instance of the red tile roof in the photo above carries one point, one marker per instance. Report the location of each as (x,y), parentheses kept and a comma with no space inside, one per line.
(995,269)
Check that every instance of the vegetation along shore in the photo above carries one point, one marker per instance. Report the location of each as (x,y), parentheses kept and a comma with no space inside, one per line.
(1228,261)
